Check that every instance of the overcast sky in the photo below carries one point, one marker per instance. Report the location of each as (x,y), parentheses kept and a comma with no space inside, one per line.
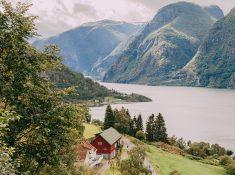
(56,16)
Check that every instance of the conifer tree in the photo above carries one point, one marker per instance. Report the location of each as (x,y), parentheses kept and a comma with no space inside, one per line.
(109,119)
(160,132)
(150,128)
(139,123)
(133,127)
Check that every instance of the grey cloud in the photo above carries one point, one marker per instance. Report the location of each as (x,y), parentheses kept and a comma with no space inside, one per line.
(85,9)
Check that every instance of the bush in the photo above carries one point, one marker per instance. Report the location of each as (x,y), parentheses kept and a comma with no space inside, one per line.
(229,152)
(97,122)
(225,160)
(140,135)
(174,173)
(231,169)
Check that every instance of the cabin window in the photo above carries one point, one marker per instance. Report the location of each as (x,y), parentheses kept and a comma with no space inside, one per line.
(99,143)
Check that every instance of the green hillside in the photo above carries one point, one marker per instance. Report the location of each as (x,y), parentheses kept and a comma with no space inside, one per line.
(166,162)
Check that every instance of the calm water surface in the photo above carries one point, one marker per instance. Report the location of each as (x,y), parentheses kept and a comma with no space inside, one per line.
(198,114)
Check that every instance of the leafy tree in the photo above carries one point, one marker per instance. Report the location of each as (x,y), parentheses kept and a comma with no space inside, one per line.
(201,149)
(231,168)
(135,164)
(123,121)
(140,135)
(7,165)
(48,128)
(225,160)
(181,143)
(217,150)
(109,118)
(139,123)
(160,133)
(150,128)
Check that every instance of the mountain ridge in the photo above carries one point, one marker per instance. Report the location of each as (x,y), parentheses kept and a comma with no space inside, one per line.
(83,46)
(166,44)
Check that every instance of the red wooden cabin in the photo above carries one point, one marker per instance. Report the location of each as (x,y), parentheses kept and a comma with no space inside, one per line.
(107,142)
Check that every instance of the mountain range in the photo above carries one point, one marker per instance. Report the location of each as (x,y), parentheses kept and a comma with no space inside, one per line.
(165,45)
(184,44)
(87,45)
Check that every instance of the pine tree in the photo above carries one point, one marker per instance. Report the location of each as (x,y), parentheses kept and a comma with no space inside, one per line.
(109,119)
(150,128)
(160,132)
(139,123)
(133,128)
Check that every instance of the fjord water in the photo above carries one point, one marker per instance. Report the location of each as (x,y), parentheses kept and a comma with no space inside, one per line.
(198,114)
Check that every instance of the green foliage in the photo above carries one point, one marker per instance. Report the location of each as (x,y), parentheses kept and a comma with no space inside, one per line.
(139,123)
(150,128)
(122,121)
(85,88)
(135,164)
(225,160)
(231,169)
(160,133)
(156,129)
(109,119)
(133,127)
(97,122)
(204,150)
(140,135)
(7,165)
(48,128)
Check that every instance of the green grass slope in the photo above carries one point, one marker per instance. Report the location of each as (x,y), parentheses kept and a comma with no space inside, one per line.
(166,162)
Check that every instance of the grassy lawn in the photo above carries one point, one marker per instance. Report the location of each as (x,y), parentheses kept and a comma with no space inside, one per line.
(166,162)
(112,172)
(90,130)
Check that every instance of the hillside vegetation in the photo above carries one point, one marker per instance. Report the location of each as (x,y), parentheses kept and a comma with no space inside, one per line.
(87,89)
(167,162)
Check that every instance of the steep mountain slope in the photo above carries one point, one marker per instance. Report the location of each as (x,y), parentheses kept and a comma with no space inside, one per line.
(83,46)
(214,63)
(166,44)
(101,67)
(215,11)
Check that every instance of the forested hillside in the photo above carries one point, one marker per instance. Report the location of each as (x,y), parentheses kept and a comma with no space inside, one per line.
(86,88)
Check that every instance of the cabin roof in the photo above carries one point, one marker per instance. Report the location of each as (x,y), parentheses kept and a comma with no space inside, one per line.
(111,135)
(83,148)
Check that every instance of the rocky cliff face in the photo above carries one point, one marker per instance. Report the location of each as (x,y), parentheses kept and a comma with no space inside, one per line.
(82,47)
(166,44)
(214,63)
